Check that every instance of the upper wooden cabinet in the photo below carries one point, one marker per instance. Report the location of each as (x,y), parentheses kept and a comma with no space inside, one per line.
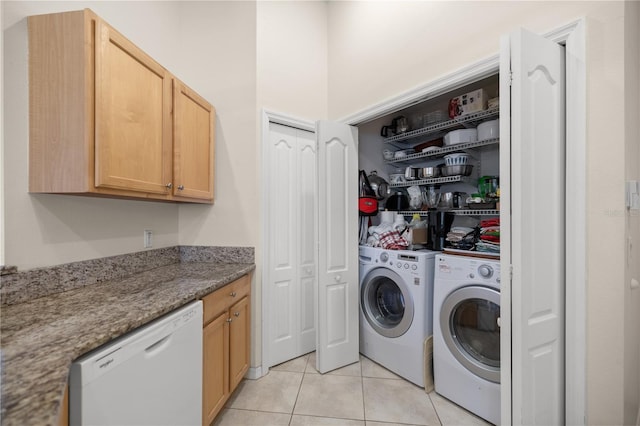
(107,120)
(192,143)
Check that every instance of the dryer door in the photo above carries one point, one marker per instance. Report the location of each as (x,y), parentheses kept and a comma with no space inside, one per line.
(386,302)
(469,319)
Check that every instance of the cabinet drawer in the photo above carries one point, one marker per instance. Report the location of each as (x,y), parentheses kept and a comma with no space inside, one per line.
(240,287)
(220,300)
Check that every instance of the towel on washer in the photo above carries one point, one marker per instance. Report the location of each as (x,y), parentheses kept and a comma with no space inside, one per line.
(392,240)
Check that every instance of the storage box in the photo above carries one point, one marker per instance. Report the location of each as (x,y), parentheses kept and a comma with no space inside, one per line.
(468,103)
(419,236)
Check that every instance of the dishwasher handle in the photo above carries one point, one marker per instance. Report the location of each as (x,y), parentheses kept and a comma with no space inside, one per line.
(157,347)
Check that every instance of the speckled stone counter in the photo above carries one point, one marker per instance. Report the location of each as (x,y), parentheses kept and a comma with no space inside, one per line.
(40,338)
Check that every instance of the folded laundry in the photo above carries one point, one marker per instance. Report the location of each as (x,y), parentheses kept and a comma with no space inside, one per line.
(489,222)
(487,247)
(491,238)
(461,229)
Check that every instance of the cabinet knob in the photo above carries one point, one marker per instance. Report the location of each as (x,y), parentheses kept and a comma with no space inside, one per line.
(180,187)
(233,294)
(237,314)
(169,185)
(337,278)
(229,320)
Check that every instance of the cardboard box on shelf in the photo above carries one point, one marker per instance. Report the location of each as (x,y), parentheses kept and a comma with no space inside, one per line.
(468,103)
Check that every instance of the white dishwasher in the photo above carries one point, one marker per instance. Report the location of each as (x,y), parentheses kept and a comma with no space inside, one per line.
(151,376)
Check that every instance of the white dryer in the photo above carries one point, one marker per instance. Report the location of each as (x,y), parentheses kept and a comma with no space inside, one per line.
(396,308)
(466,335)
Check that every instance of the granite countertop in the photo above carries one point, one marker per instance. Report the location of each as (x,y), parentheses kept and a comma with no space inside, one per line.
(41,337)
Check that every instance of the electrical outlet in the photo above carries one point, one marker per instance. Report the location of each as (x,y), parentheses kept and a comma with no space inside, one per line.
(148,238)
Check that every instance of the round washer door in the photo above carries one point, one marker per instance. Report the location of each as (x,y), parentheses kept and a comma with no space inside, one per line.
(386,302)
(469,320)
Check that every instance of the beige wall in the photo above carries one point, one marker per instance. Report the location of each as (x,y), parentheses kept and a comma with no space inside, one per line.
(292,58)
(605,206)
(378,50)
(382,49)
(632,166)
(43,230)
(219,56)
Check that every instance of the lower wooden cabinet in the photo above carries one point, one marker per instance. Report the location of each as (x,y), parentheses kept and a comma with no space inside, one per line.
(63,420)
(215,362)
(226,344)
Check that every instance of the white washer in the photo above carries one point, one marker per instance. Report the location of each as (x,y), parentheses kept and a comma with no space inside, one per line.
(396,308)
(466,335)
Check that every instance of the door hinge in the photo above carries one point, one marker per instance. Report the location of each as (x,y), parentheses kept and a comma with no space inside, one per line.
(510,78)
(510,272)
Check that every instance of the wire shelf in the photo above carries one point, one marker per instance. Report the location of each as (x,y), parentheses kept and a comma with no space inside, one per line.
(470,120)
(461,212)
(476,212)
(433,181)
(422,213)
(441,152)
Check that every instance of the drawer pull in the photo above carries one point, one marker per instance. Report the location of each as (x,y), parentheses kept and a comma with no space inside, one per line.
(237,314)
(229,320)
(233,294)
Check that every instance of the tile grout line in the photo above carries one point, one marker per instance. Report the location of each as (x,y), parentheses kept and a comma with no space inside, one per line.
(435,410)
(304,373)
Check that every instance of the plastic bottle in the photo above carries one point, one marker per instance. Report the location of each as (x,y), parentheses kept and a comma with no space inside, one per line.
(418,229)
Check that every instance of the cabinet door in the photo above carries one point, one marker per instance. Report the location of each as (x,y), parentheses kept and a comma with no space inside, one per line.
(193,147)
(64,410)
(239,343)
(132,117)
(215,367)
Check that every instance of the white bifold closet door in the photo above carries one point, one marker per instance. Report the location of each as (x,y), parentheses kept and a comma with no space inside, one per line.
(532,184)
(291,243)
(338,285)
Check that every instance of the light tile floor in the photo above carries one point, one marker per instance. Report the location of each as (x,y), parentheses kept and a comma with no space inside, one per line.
(360,394)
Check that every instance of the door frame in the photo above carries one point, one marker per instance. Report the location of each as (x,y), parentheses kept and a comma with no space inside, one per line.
(270,116)
(573,36)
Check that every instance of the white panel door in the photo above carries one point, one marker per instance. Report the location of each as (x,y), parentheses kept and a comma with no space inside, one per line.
(337,325)
(533,156)
(291,243)
(307,241)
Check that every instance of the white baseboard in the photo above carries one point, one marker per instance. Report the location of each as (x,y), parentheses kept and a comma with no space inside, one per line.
(255,373)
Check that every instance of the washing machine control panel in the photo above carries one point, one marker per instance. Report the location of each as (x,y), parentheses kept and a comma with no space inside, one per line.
(459,268)
(413,266)
(407,262)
